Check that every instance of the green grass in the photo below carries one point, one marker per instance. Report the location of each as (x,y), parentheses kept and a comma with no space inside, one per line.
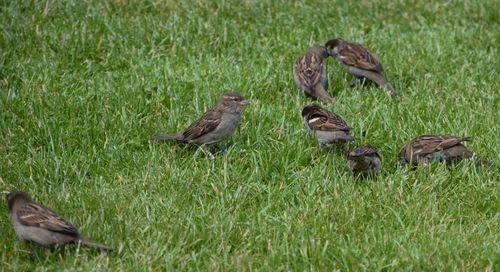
(84,84)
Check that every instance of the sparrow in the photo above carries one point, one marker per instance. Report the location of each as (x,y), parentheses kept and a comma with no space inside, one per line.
(328,127)
(214,125)
(364,160)
(36,223)
(309,73)
(360,62)
(444,148)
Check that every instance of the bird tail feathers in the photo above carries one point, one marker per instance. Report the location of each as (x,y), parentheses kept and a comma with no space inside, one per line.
(91,243)
(322,94)
(172,136)
(467,138)
(350,138)
(380,80)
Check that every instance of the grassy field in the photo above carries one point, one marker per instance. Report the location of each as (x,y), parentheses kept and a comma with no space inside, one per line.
(84,84)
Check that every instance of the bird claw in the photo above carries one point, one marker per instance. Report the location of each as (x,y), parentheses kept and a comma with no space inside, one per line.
(223,149)
(31,253)
(354,83)
(209,154)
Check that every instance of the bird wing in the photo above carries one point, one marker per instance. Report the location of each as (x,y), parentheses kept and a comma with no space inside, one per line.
(309,69)
(364,150)
(205,124)
(428,144)
(36,215)
(321,119)
(356,55)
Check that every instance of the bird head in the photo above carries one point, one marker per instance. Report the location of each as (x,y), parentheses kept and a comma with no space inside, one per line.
(233,102)
(13,197)
(310,109)
(333,46)
(365,150)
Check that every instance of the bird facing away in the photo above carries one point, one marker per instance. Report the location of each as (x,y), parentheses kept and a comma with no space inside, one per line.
(310,74)
(360,62)
(364,160)
(35,223)
(444,148)
(216,124)
(328,127)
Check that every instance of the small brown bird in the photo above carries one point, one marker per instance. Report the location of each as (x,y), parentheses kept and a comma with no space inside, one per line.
(444,148)
(360,62)
(214,125)
(328,127)
(36,223)
(364,160)
(310,74)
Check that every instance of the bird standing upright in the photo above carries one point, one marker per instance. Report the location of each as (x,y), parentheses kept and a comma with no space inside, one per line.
(214,125)
(36,223)
(360,62)
(310,73)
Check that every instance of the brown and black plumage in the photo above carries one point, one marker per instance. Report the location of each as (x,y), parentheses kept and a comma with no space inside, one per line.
(364,160)
(214,125)
(36,223)
(328,127)
(310,73)
(360,62)
(442,147)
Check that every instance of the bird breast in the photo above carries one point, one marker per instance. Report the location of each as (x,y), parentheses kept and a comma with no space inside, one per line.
(228,124)
(40,235)
(329,136)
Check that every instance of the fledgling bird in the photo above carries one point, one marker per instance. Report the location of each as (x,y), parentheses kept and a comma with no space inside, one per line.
(216,124)
(309,73)
(364,160)
(360,62)
(328,127)
(36,223)
(444,148)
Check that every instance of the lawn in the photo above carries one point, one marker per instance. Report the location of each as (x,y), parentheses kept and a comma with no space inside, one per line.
(84,84)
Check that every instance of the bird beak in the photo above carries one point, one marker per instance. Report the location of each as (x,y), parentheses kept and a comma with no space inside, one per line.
(244,102)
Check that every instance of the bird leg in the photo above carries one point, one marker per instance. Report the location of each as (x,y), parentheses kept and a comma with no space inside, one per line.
(222,149)
(207,152)
(355,82)
(485,162)
(31,253)
(360,81)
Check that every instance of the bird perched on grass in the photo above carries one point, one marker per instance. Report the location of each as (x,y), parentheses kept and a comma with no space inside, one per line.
(216,124)
(444,148)
(360,62)
(364,160)
(36,223)
(328,127)
(310,73)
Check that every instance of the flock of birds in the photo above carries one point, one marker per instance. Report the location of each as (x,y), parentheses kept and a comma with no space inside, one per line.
(36,223)
(328,127)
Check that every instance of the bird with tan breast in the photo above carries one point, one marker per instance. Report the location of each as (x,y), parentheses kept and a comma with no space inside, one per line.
(36,223)
(213,126)
(309,73)
(360,62)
